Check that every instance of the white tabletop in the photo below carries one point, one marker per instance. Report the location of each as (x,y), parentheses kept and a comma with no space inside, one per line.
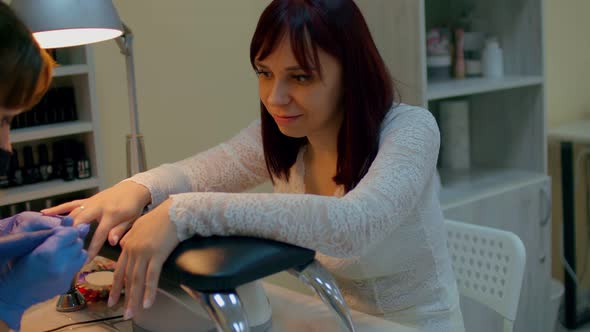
(576,132)
(292,312)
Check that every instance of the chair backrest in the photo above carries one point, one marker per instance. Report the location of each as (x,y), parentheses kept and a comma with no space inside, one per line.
(489,266)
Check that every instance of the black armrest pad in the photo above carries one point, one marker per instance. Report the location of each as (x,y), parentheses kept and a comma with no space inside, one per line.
(218,264)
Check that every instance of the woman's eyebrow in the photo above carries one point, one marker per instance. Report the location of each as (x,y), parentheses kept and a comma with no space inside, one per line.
(260,64)
(290,68)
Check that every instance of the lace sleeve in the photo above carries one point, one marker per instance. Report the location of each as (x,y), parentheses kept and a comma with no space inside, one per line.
(339,227)
(233,166)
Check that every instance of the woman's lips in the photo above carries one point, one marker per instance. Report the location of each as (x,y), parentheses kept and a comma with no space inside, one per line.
(285,120)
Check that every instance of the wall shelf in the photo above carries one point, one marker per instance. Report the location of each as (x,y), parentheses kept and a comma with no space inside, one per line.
(467,186)
(50,131)
(469,86)
(45,189)
(70,70)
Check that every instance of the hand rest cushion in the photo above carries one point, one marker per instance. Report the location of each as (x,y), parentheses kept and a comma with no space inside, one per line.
(217,264)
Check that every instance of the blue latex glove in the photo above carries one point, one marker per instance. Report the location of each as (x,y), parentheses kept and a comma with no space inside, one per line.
(43,273)
(31,221)
(13,246)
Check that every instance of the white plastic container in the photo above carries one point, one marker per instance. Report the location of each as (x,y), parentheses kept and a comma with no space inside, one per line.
(493,59)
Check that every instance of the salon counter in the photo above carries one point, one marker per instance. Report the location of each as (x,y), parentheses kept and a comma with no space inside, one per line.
(292,312)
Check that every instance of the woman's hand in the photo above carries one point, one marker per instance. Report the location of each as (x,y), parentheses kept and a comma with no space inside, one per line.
(145,249)
(114,209)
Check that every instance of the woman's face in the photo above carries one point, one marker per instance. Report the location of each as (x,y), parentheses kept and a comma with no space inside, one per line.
(5,119)
(301,104)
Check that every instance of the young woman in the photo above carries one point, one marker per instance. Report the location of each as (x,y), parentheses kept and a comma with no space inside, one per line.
(353,174)
(34,249)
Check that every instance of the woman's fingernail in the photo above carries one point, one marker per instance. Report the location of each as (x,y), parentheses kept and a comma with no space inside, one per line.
(147,303)
(111,302)
(128,314)
(115,240)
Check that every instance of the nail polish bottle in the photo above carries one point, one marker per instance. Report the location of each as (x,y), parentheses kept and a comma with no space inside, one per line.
(15,173)
(30,168)
(45,167)
(82,162)
(14,209)
(58,159)
(48,203)
(4,181)
(69,103)
(69,163)
(46,105)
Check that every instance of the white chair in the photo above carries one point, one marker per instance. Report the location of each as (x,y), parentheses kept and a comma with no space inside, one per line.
(489,266)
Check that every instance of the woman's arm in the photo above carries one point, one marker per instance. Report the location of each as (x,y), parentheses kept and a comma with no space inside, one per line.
(233,166)
(339,227)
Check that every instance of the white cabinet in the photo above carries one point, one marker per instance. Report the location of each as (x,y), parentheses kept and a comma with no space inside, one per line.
(526,211)
(75,70)
(506,184)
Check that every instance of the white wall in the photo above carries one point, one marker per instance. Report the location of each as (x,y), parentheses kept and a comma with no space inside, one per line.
(567,60)
(195,85)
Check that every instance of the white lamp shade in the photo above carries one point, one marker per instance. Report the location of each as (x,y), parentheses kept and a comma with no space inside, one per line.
(65,23)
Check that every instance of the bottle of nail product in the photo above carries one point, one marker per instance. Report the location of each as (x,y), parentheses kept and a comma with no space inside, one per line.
(48,203)
(69,163)
(69,101)
(45,167)
(15,173)
(30,168)
(4,182)
(58,159)
(82,162)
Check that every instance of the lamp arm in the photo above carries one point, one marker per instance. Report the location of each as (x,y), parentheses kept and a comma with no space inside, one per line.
(135,152)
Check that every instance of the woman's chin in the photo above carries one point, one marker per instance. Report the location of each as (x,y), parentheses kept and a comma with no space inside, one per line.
(291,132)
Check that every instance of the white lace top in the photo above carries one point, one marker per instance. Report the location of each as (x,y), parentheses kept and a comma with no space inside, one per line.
(384,241)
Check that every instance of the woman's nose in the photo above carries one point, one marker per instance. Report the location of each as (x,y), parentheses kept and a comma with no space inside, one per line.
(279,94)
(5,138)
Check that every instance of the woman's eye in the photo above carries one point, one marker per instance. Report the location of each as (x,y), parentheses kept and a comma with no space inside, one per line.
(302,78)
(262,73)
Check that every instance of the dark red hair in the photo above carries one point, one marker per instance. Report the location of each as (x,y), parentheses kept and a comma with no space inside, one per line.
(338,28)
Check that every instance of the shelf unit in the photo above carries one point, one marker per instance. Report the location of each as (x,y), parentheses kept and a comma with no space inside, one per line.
(506,185)
(75,68)
(470,86)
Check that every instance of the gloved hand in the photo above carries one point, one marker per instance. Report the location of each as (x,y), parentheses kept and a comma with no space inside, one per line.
(31,221)
(45,272)
(12,247)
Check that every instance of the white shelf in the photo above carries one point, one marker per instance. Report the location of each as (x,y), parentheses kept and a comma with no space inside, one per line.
(49,131)
(70,70)
(468,86)
(45,189)
(462,187)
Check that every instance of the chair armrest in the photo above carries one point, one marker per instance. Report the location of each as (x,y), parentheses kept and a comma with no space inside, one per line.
(218,264)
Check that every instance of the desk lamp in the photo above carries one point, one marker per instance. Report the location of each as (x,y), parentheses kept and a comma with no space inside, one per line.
(66,23)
